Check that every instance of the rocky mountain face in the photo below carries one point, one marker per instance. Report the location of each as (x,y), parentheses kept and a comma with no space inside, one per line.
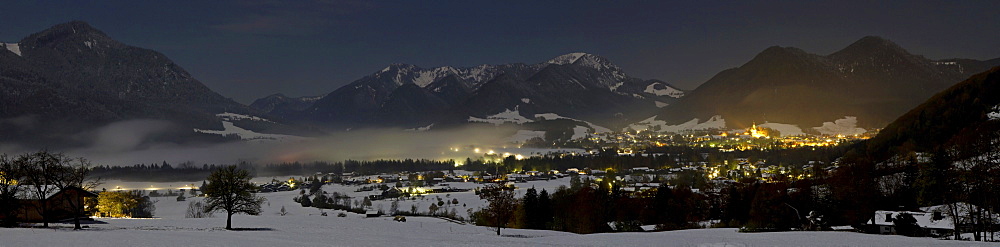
(873,79)
(72,77)
(401,95)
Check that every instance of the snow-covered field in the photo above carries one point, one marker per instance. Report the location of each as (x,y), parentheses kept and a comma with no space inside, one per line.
(305,227)
(844,126)
(716,122)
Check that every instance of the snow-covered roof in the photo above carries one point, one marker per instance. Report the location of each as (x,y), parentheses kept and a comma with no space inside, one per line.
(924,219)
(28,192)
(963,209)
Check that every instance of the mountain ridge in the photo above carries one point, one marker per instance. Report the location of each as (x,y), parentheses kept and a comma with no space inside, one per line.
(73,78)
(872,79)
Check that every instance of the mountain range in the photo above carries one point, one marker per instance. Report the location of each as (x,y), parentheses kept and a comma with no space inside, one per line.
(577,85)
(873,79)
(59,85)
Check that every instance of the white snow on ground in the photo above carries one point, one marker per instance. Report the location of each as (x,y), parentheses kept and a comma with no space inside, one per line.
(580,132)
(665,90)
(995,114)
(506,116)
(785,129)
(235,117)
(246,134)
(15,48)
(305,227)
(660,104)
(553,116)
(524,135)
(716,122)
(844,126)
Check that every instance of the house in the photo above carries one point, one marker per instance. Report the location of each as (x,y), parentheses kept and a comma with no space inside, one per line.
(967,215)
(641,169)
(391,193)
(932,223)
(59,203)
(635,178)
(518,177)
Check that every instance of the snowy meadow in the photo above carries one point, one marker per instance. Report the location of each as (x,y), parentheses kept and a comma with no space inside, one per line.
(302,226)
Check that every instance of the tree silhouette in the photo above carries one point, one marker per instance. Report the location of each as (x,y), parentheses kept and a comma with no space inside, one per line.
(229,189)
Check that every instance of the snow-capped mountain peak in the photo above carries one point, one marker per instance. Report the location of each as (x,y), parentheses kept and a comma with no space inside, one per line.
(568,58)
(12,47)
(614,77)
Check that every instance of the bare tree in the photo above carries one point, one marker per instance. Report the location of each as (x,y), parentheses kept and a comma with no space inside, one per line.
(975,153)
(47,173)
(229,189)
(39,167)
(73,173)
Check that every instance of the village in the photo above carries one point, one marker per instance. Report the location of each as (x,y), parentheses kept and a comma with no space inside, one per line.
(461,197)
(755,137)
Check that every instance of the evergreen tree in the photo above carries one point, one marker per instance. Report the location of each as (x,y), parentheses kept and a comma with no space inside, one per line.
(502,205)
(530,207)
(305,201)
(321,201)
(544,210)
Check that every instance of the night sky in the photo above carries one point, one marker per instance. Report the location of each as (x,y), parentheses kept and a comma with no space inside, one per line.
(250,49)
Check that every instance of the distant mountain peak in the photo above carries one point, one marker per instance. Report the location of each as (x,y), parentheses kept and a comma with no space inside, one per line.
(780,50)
(568,58)
(73,28)
(874,40)
(397,67)
(871,45)
(277,95)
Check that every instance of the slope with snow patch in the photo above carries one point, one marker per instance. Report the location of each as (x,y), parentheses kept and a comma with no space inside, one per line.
(231,129)
(553,116)
(506,116)
(236,117)
(12,47)
(660,89)
(785,129)
(715,122)
(844,126)
(524,135)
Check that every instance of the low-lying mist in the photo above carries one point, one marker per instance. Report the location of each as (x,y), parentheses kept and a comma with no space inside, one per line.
(127,143)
